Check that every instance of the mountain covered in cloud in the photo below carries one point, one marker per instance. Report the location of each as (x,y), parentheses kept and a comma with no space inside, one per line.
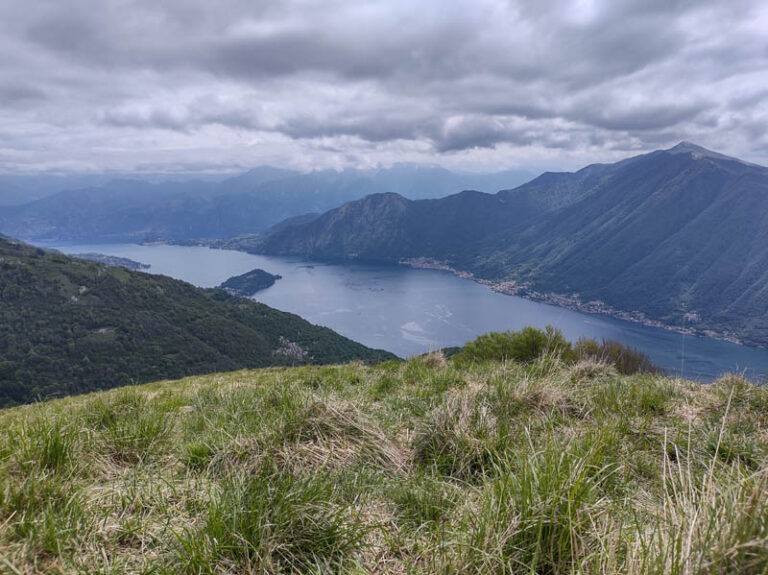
(18,189)
(135,210)
(672,233)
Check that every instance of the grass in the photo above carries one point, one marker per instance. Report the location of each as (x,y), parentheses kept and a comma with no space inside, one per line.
(272,521)
(424,466)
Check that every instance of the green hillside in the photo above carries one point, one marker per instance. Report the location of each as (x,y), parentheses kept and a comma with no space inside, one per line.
(672,232)
(423,466)
(71,326)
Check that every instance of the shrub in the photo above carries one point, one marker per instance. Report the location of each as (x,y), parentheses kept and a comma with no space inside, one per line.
(625,359)
(530,344)
(525,345)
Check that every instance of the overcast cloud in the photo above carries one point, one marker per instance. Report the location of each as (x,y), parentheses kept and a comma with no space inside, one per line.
(185,85)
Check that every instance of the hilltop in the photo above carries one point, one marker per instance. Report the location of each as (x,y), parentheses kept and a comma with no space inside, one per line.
(425,466)
(673,234)
(70,326)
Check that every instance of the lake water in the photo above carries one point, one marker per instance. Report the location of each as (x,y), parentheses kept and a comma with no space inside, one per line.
(409,311)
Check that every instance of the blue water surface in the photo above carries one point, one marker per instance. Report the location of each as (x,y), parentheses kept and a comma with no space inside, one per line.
(410,311)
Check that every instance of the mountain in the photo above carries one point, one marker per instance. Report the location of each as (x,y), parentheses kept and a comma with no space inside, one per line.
(135,210)
(682,231)
(18,189)
(254,178)
(388,227)
(419,182)
(11,195)
(674,233)
(70,326)
(118,211)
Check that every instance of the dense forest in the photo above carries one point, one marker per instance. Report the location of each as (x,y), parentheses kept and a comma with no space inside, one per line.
(71,326)
(250,282)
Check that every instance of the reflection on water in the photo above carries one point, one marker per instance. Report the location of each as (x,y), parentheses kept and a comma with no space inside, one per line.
(410,311)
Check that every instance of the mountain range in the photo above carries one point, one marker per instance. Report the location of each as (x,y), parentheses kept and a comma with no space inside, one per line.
(136,210)
(69,326)
(676,236)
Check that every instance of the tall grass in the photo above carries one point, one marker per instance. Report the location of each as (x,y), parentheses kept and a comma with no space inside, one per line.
(712,520)
(542,513)
(548,466)
(273,522)
(130,425)
(47,443)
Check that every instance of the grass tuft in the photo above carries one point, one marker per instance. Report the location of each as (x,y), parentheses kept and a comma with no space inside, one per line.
(47,443)
(274,522)
(549,465)
(131,427)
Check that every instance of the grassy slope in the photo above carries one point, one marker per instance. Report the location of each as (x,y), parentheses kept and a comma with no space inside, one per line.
(411,467)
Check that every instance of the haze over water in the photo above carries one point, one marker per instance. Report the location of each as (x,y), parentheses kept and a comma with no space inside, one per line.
(409,311)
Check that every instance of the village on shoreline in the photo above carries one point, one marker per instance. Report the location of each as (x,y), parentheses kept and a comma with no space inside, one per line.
(572,302)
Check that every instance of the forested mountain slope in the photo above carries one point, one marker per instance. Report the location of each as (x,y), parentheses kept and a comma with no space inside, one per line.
(69,326)
(674,232)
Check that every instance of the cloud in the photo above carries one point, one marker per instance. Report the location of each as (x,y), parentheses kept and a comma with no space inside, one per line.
(118,84)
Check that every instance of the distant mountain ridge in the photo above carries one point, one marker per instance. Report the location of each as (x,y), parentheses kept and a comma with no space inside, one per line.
(674,233)
(136,211)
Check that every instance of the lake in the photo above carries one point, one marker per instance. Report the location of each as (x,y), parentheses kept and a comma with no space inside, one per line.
(411,311)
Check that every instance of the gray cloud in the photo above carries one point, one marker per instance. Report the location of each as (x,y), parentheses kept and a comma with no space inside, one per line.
(485,84)
(12,94)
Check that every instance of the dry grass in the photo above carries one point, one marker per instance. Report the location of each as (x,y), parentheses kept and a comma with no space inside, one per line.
(415,467)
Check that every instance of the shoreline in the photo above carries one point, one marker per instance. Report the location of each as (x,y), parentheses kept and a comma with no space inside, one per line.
(573,302)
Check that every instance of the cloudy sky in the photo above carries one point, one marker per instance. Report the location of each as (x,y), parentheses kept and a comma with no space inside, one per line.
(202,85)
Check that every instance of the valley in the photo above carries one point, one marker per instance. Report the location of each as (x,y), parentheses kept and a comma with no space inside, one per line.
(411,311)
(672,237)
(383,288)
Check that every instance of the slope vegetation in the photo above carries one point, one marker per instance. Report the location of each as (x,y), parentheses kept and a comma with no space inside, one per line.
(669,233)
(70,326)
(420,467)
